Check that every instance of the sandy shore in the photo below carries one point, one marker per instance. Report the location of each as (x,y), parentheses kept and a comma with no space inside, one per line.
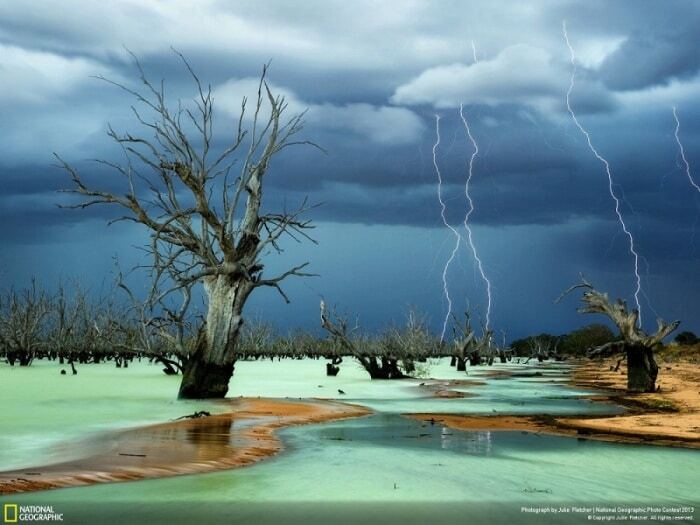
(241,437)
(671,413)
(670,417)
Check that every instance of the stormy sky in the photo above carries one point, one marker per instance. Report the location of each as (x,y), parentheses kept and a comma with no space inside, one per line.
(372,75)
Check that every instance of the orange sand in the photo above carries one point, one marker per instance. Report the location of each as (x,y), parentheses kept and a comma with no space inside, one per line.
(673,412)
(670,417)
(223,441)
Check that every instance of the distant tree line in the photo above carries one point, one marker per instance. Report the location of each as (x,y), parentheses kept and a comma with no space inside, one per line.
(74,327)
(574,344)
(686,338)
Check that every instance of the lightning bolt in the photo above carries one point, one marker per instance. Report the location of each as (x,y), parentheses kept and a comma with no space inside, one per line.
(682,150)
(458,237)
(470,239)
(605,163)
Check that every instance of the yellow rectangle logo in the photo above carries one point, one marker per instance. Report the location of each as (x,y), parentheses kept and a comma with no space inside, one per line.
(9,513)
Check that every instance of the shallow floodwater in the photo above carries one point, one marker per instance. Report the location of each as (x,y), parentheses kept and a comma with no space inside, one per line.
(42,410)
(411,471)
(544,393)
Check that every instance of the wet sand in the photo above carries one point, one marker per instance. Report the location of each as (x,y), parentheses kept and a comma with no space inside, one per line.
(246,434)
(673,412)
(238,438)
(670,417)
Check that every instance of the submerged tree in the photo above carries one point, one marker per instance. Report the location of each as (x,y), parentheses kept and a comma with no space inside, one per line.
(391,356)
(23,323)
(464,342)
(469,347)
(638,347)
(504,352)
(206,225)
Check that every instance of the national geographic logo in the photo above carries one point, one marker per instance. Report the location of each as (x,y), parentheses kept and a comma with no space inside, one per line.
(9,513)
(13,513)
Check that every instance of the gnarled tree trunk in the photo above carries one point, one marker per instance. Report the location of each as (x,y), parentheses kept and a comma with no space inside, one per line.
(635,343)
(475,358)
(385,368)
(641,369)
(209,370)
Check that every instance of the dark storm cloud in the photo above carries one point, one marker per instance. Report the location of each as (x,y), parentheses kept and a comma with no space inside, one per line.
(650,59)
(37,219)
(658,42)
(373,75)
(28,180)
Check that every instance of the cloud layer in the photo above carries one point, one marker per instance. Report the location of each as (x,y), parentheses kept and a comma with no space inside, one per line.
(518,75)
(371,76)
(381,124)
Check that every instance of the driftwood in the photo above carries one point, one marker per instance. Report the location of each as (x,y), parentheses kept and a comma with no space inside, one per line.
(195,415)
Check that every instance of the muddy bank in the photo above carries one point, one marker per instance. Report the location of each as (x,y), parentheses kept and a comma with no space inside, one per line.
(673,412)
(549,425)
(670,417)
(238,438)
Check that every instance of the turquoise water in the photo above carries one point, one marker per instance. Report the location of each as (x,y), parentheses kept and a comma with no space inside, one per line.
(382,466)
(306,379)
(43,410)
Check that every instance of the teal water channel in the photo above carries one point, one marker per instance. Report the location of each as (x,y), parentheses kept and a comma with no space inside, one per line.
(382,467)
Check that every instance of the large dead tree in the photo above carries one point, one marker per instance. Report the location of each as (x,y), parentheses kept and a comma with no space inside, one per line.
(642,369)
(206,223)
